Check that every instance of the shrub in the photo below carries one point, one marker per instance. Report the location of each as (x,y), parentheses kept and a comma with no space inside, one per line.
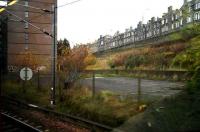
(104,108)
(194,84)
(90,60)
(111,64)
(119,60)
(189,59)
(134,61)
(190,31)
(73,63)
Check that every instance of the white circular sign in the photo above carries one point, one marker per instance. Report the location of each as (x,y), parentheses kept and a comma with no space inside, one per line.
(26,74)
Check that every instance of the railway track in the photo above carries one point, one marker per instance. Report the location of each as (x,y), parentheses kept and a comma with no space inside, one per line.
(81,122)
(14,123)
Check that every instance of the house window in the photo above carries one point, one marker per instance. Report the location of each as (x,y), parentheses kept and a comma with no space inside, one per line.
(177,25)
(181,13)
(163,21)
(101,43)
(172,18)
(197,6)
(26,13)
(172,26)
(176,17)
(181,22)
(189,19)
(197,16)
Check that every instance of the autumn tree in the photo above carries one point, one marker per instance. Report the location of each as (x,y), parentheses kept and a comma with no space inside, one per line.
(63,49)
(90,60)
(73,61)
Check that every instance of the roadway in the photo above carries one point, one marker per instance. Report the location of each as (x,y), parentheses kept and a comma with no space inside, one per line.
(129,86)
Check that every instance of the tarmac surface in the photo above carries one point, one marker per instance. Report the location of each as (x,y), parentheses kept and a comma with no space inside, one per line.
(129,86)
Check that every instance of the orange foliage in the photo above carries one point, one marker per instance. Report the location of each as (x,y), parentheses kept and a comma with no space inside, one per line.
(90,60)
(28,59)
(157,55)
(74,62)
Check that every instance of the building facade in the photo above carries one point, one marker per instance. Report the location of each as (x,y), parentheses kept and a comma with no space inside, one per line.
(170,22)
(25,36)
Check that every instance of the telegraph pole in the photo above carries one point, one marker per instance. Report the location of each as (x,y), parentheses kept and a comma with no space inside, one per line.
(54,49)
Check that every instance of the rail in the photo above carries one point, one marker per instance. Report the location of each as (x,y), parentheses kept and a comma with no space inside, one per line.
(65,117)
(18,124)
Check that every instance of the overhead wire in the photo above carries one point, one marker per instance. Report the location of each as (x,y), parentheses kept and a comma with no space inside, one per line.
(22,20)
(69,3)
(45,11)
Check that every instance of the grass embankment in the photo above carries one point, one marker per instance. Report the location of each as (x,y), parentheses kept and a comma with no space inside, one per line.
(106,107)
(176,114)
(146,58)
(180,53)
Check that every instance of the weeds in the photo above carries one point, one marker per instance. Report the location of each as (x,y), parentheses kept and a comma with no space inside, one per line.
(105,107)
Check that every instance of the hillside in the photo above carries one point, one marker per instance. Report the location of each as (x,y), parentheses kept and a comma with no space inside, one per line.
(180,53)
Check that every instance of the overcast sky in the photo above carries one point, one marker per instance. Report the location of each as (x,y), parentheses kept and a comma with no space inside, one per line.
(86,20)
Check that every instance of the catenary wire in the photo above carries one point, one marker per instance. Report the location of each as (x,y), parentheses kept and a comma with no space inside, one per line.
(70,3)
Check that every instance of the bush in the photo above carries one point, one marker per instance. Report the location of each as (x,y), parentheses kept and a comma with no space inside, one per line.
(194,84)
(189,59)
(90,60)
(105,107)
(134,61)
(74,62)
(111,64)
(190,31)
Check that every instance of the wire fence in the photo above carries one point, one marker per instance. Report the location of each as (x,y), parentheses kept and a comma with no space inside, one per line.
(140,85)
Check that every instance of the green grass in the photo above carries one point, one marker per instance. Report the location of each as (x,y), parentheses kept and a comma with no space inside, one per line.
(106,107)
(31,94)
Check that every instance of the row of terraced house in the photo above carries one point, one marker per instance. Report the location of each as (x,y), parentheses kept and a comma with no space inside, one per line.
(171,21)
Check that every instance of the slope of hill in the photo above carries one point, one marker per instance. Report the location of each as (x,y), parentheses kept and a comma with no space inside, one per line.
(181,53)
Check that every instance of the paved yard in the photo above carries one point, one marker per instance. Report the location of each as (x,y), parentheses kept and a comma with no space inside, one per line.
(125,86)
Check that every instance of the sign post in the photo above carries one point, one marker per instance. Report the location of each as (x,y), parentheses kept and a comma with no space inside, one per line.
(25,74)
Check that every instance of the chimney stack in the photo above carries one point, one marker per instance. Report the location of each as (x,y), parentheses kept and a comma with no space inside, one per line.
(170,9)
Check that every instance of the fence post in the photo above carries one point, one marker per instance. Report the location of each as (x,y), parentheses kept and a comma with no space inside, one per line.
(1,77)
(139,90)
(93,84)
(59,88)
(38,80)
(23,86)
